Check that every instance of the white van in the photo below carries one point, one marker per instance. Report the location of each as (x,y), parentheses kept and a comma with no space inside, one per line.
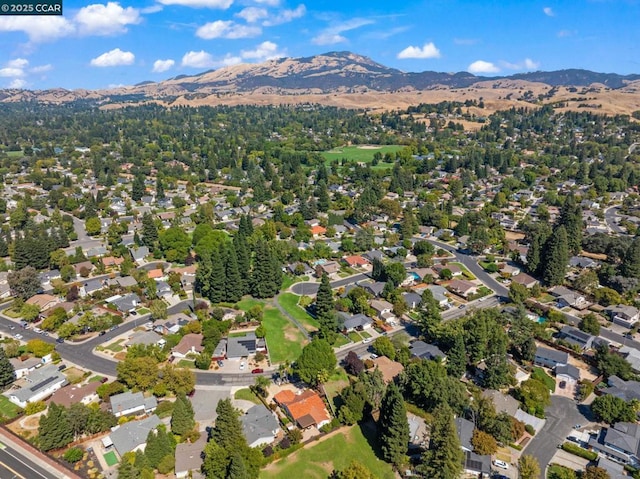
(500,464)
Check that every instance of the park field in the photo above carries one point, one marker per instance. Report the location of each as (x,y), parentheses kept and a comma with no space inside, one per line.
(317,461)
(361,153)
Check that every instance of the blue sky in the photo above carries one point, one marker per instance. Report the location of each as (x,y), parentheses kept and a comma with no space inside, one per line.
(97,45)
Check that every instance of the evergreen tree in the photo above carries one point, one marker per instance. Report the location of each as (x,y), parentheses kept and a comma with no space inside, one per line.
(233,280)
(182,418)
(325,308)
(127,469)
(556,257)
(203,276)
(243,260)
(316,360)
(267,273)
(631,264)
(457,357)
(378,272)
(160,195)
(216,461)
(322,192)
(7,371)
(571,219)
(217,279)
(227,431)
(4,246)
(237,469)
(54,430)
(159,445)
(409,224)
(393,427)
(137,188)
(150,234)
(443,459)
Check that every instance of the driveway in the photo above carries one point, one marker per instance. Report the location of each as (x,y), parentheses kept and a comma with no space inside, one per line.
(562,415)
(205,402)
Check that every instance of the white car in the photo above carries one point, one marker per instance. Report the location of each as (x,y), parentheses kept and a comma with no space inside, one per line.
(242,366)
(17,336)
(366,340)
(500,464)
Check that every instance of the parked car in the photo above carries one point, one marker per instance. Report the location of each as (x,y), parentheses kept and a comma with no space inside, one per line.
(60,340)
(17,336)
(133,313)
(257,371)
(366,340)
(242,365)
(220,363)
(102,333)
(500,464)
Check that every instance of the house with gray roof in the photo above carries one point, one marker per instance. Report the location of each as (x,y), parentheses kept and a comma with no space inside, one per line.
(621,443)
(550,358)
(40,384)
(375,288)
(128,403)
(464,429)
(502,402)
(476,464)
(260,426)
(244,346)
(126,303)
(138,254)
(440,294)
(132,436)
(623,315)
(353,322)
(189,458)
(622,389)
(422,350)
(576,337)
(146,338)
(632,356)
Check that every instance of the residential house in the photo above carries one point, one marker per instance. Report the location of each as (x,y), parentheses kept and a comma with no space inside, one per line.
(373,255)
(455,269)
(260,426)
(172,324)
(43,301)
(68,395)
(22,368)
(123,281)
(502,402)
(620,442)
(47,276)
(330,268)
(464,429)
(146,338)
(622,389)
(582,263)
(84,267)
(305,408)
(463,287)
(389,369)
(422,350)
(567,373)
(189,459)
(112,261)
(384,309)
(418,431)
(479,466)
(244,346)
(413,300)
(155,274)
(139,254)
(439,293)
(92,286)
(40,384)
(632,356)
(623,315)
(550,358)
(128,403)
(189,344)
(132,436)
(299,268)
(356,261)
(317,231)
(221,350)
(125,304)
(574,336)
(374,288)
(525,280)
(355,322)
(566,297)
(508,270)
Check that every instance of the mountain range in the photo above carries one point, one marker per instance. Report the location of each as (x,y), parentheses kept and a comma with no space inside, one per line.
(318,79)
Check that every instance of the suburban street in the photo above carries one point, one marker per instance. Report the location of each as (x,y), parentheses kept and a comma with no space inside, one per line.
(14,465)
(611,218)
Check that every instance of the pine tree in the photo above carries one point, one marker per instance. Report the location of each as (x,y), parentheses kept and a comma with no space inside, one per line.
(182,418)
(216,461)
(203,276)
(127,469)
(149,231)
(266,274)
(631,264)
(243,260)
(237,469)
(227,431)
(7,371)
(137,188)
(556,257)
(571,219)
(457,357)
(325,308)
(54,430)
(159,445)
(160,189)
(217,278)
(393,426)
(322,192)
(409,224)
(233,280)
(443,459)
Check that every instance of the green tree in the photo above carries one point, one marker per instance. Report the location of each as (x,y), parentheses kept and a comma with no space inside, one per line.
(393,427)
(611,364)
(571,220)
(612,409)
(158,309)
(443,459)
(316,360)
(630,266)
(556,257)
(590,324)
(24,283)
(150,234)
(93,226)
(227,431)
(483,443)
(457,357)
(595,472)
(518,293)
(355,470)
(325,309)
(535,396)
(140,373)
(383,346)
(182,419)
(216,461)
(234,288)
(159,445)
(30,312)
(237,468)
(137,188)
(54,430)
(528,467)
(7,371)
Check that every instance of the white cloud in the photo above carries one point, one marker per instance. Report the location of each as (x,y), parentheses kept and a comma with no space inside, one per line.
(530,64)
(526,64)
(548,11)
(331,35)
(270,3)
(37,28)
(221,4)
(113,58)
(160,66)
(109,19)
(11,72)
(199,59)
(264,51)
(252,14)
(227,29)
(286,16)
(18,83)
(428,50)
(41,68)
(20,63)
(480,66)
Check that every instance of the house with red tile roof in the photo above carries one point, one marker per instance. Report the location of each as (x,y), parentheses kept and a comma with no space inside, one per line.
(112,261)
(318,230)
(155,274)
(306,408)
(356,261)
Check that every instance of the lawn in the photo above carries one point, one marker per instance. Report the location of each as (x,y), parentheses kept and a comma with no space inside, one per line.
(7,408)
(110,458)
(541,375)
(74,375)
(341,340)
(143,311)
(284,340)
(247,303)
(289,280)
(185,363)
(361,154)
(365,335)
(116,347)
(337,452)
(96,378)
(465,272)
(246,394)
(355,337)
(289,303)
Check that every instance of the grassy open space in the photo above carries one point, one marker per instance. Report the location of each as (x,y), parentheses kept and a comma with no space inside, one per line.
(284,340)
(336,452)
(355,337)
(116,347)
(465,272)
(289,280)
(361,153)
(289,303)
(143,311)
(247,303)
(245,394)
(541,375)
(7,408)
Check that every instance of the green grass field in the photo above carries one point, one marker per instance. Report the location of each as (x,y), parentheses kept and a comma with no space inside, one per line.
(247,303)
(337,452)
(7,408)
(361,154)
(284,340)
(289,303)
(246,394)
(541,375)
(341,340)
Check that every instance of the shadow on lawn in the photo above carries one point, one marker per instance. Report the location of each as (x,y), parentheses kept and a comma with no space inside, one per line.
(370,432)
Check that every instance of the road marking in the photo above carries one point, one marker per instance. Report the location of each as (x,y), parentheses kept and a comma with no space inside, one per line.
(15,473)
(2,446)
(25,464)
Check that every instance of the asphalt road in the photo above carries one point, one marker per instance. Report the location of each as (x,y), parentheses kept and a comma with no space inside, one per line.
(13,465)
(562,415)
(611,218)
(311,289)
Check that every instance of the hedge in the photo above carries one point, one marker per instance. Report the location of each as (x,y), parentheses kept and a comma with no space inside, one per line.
(579,451)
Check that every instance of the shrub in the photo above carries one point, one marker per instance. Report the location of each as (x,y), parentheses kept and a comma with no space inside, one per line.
(73,455)
(34,407)
(580,452)
(164,409)
(529,428)
(167,464)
